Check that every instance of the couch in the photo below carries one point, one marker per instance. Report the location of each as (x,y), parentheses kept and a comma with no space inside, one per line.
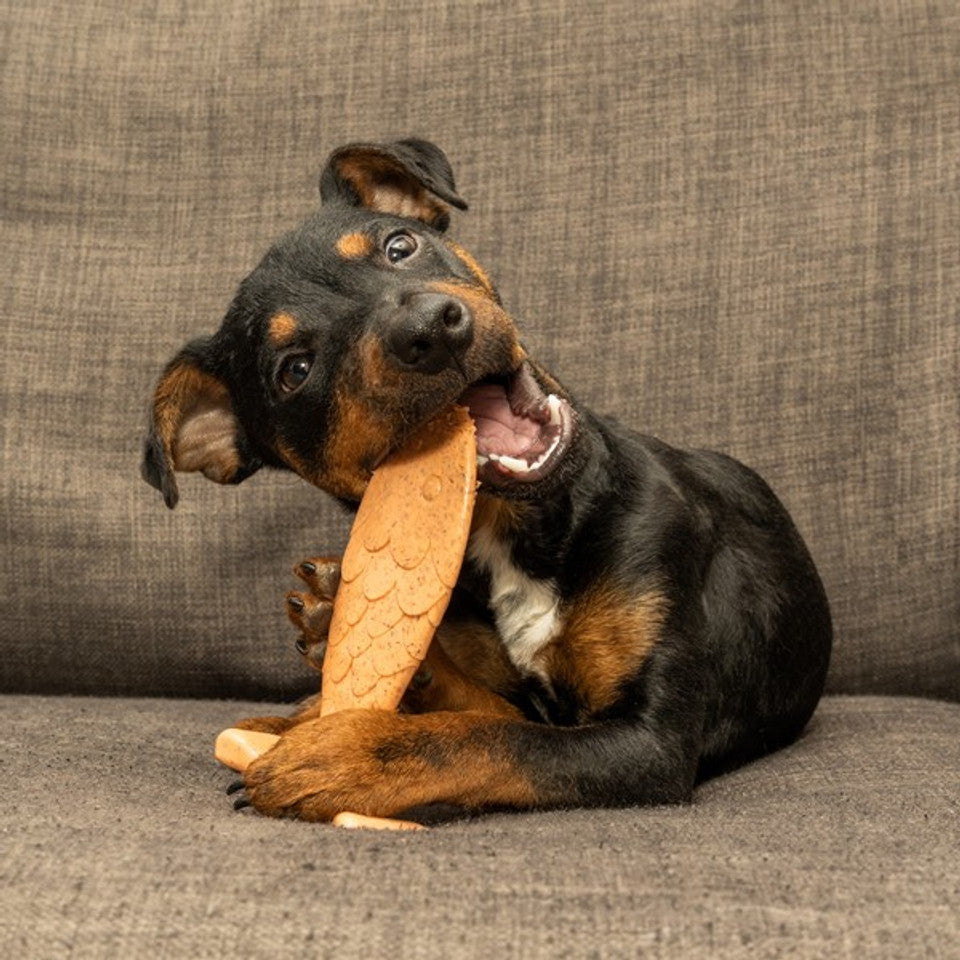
(733,225)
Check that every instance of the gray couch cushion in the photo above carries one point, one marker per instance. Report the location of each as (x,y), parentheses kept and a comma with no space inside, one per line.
(119,841)
(734,225)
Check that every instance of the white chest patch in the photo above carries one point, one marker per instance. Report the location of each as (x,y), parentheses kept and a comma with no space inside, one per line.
(526,610)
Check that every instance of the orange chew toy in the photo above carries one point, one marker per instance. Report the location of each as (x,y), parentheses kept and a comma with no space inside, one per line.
(400,566)
(401,563)
(237,749)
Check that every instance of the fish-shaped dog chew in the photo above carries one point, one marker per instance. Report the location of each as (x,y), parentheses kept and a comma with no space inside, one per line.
(400,565)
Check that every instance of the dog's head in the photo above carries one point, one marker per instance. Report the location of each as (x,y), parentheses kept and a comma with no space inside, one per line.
(353,330)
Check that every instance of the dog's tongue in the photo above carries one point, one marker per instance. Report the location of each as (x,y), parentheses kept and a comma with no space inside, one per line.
(499,429)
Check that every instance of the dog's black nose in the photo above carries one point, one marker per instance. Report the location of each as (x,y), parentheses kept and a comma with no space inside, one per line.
(430,333)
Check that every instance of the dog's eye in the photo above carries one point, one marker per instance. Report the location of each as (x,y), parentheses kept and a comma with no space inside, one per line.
(293,371)
(400,246)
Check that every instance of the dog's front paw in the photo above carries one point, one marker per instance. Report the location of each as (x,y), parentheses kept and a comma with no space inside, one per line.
(310,610)
(322,767)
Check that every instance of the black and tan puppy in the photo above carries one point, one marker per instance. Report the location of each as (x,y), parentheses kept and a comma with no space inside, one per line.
(631,618)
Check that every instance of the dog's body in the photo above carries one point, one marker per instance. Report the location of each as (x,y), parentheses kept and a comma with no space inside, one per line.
(630,618)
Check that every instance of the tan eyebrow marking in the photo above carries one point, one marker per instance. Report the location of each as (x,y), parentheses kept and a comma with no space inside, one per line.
(352,246)
(282,329)
(468,259)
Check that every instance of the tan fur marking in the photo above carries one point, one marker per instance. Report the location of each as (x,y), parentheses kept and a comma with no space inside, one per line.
(606,637)
(176,393)
(358,439)
(194,419)
(353,246)
(464,665)
(464,290)
(364,170)
(298,465)
(359,435)
(281,329)
(375,370)
(384,186)
(472,266)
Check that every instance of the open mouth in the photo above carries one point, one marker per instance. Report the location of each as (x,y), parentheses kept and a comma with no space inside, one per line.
(522,432)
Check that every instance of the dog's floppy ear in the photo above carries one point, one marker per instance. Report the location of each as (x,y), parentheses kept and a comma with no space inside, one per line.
(408,178)
(194,427)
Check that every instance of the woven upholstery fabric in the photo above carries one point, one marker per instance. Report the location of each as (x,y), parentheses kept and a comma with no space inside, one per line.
(734,225)
(842,846)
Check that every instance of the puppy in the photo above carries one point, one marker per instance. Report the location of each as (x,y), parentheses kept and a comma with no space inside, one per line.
(630,619)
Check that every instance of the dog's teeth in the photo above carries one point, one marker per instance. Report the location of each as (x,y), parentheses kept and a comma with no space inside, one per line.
(517,465)
(481,460)
(546,455)
(510,463)
(553,408)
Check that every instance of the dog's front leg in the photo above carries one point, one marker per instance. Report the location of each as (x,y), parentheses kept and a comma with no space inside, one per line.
(381,764)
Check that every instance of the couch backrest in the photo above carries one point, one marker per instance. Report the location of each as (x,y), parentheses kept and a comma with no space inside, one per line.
(735,225)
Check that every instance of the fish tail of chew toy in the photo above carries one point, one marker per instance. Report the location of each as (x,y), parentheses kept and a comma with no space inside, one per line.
(357,821)
(237,749)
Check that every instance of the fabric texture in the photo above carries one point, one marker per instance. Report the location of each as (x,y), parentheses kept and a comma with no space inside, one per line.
(119,841)
(733,225)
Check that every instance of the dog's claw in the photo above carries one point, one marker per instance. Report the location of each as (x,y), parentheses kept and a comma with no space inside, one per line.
(296,603)
(241,802)
(322,576)
(235,786)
